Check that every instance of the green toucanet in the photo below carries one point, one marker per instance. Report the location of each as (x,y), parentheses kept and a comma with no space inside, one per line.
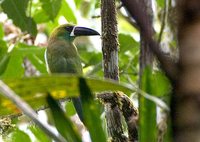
(62,56)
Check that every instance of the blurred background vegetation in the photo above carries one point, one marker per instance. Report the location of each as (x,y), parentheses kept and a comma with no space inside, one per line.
(25,26)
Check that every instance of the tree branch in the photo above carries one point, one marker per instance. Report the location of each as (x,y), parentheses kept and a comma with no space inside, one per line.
(130,113)
(110,63)
(109,39)
(137,12)
(164,20)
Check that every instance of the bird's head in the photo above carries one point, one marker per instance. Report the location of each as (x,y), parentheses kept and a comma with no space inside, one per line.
(70,32)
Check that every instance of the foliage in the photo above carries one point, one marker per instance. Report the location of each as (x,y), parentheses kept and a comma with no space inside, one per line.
(21,54)
(18,14)
(68,131)
(28,89)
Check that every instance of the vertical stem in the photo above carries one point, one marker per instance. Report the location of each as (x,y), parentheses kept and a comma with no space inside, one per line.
(110,63)
(147,108)
(109,39)
(146,56)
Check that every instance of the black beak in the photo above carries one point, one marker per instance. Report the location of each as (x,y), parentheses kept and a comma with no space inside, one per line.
(83,31)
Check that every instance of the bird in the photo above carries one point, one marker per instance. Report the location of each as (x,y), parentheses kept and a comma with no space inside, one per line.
(62,56)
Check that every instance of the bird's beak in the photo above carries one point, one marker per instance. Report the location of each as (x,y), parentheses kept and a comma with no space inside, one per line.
(83,31)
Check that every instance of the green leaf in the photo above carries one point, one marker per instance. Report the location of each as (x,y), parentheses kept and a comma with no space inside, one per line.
(12,63)
(1,31)
(147,109)
(18,136)
(4,56)
(70,110)
(67,12)
(97,4)
(161,3)
(128,57)
(91,113)
(40,16)
(34,89)
(77,2)
(63,124)
(14,67)
(3,63)
(3,49)
(38,62)
(28,50)
(51,7)
(159,79)
(39,134)
(126,43)
(17,12)
(34,54)
(91,58)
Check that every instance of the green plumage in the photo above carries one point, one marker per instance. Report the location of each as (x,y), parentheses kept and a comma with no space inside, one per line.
(62,55)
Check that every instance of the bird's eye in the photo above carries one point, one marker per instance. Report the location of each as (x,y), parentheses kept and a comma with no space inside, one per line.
(69,28)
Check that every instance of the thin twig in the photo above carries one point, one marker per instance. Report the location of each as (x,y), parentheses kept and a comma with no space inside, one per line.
(164,20)
(27,110)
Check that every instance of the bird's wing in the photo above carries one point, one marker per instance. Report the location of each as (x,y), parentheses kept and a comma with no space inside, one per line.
(63,61)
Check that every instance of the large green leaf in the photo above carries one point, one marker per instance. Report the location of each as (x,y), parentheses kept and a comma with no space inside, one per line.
(17,12)
(147,109)
(34,89)
(51,7)
(63,124)
(91,113)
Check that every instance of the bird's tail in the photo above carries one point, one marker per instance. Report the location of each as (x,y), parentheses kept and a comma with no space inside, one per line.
(78,106)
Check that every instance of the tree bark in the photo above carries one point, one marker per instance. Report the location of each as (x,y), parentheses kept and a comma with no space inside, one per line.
(185,104)
(119,101)
(109,39)
(110,64)
(146,56)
